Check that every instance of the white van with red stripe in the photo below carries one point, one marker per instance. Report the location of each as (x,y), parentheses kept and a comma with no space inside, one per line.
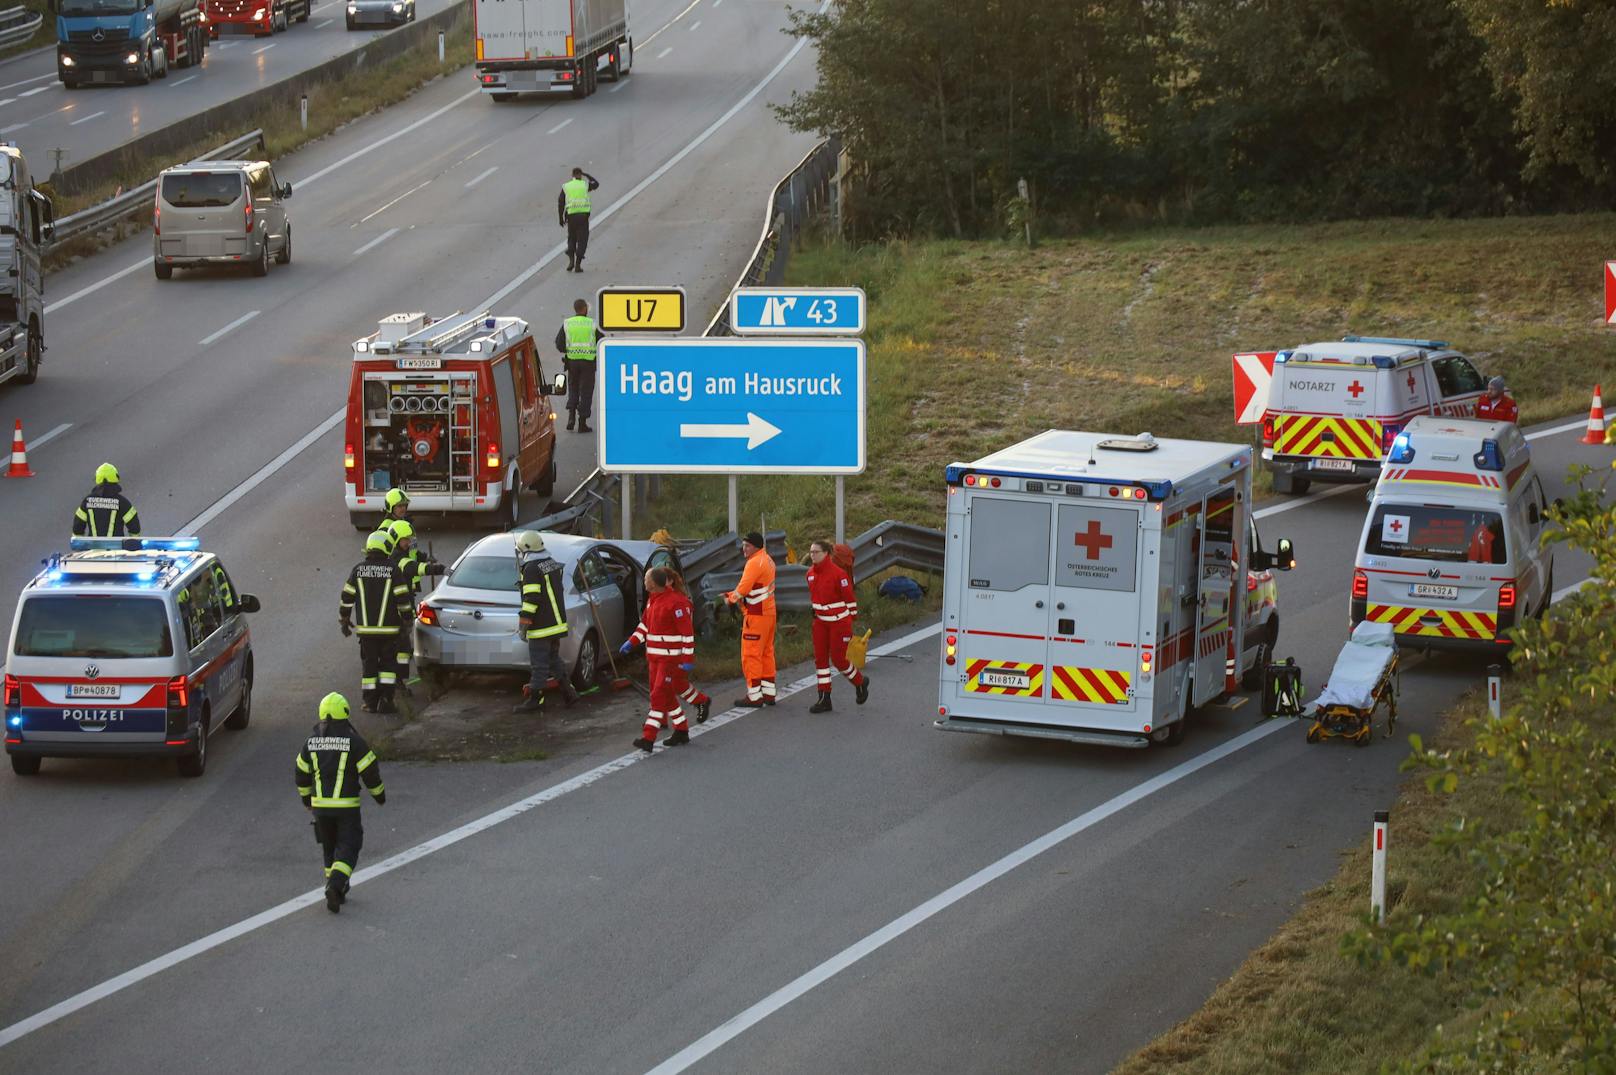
(1098,589)
(127,647)
(1334,408)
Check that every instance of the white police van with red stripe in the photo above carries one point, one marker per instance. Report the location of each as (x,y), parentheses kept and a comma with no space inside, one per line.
(127,647)
(1098,589)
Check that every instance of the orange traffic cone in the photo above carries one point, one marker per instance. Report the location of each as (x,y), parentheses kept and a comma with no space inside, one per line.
(1596,421)
(19,455)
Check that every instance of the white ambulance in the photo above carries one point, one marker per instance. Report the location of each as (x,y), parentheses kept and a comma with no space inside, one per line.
(1098,589)
(1451,554)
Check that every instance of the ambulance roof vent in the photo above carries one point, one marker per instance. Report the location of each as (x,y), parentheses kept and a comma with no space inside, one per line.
(1144,442)
(395,327)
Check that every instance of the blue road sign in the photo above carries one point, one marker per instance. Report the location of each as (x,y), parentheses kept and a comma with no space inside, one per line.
(790,311)
(728,406)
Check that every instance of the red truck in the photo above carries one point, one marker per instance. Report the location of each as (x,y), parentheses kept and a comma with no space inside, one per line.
(261,18)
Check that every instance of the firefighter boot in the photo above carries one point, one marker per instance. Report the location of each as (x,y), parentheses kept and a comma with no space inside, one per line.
(702,709)
(532,702)
(385,704)
(644,744)
(822,705)
(679,738)
(333,897)
(861,693)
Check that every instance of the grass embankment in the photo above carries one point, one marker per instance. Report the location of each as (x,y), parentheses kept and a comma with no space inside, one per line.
(332,104)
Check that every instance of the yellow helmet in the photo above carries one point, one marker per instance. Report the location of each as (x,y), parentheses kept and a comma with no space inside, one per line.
(106,473)
(379,540)
(333,707)
(395,497)
(400,529)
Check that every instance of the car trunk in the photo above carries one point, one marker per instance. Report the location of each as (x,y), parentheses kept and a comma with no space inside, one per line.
(202,215)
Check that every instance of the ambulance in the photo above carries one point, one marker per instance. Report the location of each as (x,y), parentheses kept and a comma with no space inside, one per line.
(452,410)
(1450,554)
(1333,409)
(1098,589)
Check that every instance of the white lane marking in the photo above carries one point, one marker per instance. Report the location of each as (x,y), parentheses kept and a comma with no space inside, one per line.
(395,201)
(36,89)
(400,133)
(8,101)
(79,1001)
(667,25)
(378,241)
(663,169)
(183,81)
(86,119)
(323,25)
(224,503)
(481,176)
(13,127)
(664,52)
(621,82)
(1566,591)
(1568,427)
(223,45)
(560,125)
(98,285)
(694,26)
(717,2)
(266,48)
(24,82)
(40,442)
(237,323)
(739,1024)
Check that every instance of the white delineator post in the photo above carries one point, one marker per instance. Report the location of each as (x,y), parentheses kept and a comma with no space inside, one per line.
(1377,871)
(1495,684)
(440,46)
(303,110)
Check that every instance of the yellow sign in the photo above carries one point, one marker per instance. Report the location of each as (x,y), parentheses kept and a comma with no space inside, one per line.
(641,309)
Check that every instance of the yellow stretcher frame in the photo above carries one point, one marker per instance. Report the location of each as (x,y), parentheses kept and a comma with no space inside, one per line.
(1355,723)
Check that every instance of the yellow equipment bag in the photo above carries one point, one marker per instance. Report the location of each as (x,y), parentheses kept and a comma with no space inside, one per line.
(858,649)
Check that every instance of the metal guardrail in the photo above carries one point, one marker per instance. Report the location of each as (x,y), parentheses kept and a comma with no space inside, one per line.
(880,548)
(18,24)
(113,210)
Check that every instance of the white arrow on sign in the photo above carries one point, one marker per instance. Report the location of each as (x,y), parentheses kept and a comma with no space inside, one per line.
(755,430)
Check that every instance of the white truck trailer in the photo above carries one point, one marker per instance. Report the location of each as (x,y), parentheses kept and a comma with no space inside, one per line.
(26,218)
(1096,588)
(550,46)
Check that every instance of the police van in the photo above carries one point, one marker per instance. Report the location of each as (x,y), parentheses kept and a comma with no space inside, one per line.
(127,647)
(1450,553)
(1334,408)
(1098,589)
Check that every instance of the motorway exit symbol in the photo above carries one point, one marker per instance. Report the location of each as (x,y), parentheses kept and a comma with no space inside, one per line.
(714,405)
(781,311)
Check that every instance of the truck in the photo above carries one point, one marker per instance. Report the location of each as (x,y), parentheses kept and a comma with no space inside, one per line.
(260,18)
(550,46)
(126,41)
(1100,589)
(26,220)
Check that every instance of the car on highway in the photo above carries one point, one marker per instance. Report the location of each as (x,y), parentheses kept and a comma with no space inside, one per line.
(127,647)
(469,623)
(220,213)
(261,18)
(380,13)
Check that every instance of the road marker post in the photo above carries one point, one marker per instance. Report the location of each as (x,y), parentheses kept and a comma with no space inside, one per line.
(1495,681)
(1377,870)
(303,110)
(440,46)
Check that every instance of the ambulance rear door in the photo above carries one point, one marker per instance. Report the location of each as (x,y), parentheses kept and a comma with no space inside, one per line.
(1218,616)
(1095,620)
(1004,606)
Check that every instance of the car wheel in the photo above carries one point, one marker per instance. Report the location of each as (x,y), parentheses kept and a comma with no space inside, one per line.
(36,353)
(350,24)
(510,507)
(163,272)
(587,668)
(25,764)
(243,714)
(195,763)
(285,256)
(545,486)
(261,266)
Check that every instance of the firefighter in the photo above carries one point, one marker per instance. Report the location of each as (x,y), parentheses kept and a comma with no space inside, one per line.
(755,593)
(376,604)
(830,589)
(572,206)
(407,556)
(333,762)
(667,628)
(543,621)
(576,340)
(395,505)
(106,512)
(1497,405)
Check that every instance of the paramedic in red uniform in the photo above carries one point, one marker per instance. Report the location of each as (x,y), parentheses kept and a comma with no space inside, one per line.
(1497,405)
(830,589)
(668,632)
(756,590)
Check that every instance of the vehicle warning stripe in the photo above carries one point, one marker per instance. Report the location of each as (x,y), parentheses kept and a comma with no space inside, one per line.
(1452,623)
(1353,438)
(1034,672)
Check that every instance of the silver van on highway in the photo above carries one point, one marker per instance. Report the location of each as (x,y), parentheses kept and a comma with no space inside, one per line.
(220,213)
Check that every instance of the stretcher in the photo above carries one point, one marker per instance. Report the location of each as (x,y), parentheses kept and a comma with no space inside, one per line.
(1363,681)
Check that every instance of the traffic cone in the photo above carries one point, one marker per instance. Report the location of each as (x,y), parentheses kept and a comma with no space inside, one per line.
(19,455)
(1596,421)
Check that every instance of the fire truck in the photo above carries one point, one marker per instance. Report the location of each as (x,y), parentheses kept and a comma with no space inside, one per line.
(451,410)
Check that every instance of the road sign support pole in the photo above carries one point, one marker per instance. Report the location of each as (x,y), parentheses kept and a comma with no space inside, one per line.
(1377,869)
(734,504)
(841,509)
(626,483)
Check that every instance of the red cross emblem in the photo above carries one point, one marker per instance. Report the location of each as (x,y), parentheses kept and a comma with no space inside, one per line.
(1355,389)
(1411,382)
(1396,526)
(1092,541)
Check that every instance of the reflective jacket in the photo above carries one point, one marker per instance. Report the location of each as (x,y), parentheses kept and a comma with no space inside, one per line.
(756,588)
(544,608)
(574,196)
(831,592)
(331,765)
(411,567)
(106,512)
(577,337)
(1502,409)
(376,598)
(667,628)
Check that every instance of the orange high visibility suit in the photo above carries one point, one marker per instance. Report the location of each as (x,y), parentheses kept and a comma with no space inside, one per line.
(756,592)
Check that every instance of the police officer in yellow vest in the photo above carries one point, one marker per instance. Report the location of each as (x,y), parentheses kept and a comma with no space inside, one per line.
(576,340)
(572,205)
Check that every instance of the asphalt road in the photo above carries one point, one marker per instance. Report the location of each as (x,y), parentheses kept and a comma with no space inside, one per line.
(39,115)
(591,913)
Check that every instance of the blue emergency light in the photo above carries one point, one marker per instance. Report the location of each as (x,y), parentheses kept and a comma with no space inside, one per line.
(1429,345)
(1491,457)
(128,544)
(1402,451)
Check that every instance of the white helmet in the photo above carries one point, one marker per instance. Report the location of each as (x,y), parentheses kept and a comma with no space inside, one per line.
(529,541)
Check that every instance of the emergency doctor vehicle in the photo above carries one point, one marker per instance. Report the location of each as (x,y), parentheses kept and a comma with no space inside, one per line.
(1450,554)
(1098,589)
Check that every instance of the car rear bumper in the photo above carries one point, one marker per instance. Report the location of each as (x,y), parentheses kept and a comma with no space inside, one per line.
(1042,731)
(182,260)
(1301,466)
(429,503)
(101,747)
(488,653)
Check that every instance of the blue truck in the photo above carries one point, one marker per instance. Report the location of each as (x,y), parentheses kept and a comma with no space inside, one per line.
(126,41)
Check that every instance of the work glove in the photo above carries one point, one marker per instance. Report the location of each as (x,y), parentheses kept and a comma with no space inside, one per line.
(347,632)
(434,568)
(381,798)
(687,666)
(626,648)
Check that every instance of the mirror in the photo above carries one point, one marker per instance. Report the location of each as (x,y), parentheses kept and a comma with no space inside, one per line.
(286,191)
(558,387)
(48,231)
(249,603)
(1285,558)
(1532,515)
